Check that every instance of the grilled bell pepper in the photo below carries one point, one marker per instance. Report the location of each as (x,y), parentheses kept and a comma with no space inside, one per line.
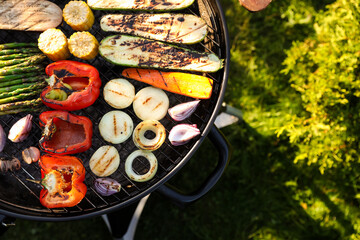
(72,85)
(65,133)
(62,179)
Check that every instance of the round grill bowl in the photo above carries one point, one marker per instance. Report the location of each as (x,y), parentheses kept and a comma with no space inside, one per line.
(19,197)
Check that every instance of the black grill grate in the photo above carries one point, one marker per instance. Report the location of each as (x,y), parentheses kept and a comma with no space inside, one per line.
(20,197)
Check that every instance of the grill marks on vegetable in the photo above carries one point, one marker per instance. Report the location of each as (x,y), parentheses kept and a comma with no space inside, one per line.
(39,15)
(140,52)
(103,163)
(167,27)
(139,4)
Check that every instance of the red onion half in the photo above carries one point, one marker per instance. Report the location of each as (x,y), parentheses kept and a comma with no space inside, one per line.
(107,186)
(183,133)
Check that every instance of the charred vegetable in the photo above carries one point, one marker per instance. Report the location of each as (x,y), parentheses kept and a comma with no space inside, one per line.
(105,161)
(116,127)
(154,5)
(107,186)
(183,133)
(9,164)
(2,138)
(53,43)
(186,84)
(78,15)
(65,133)
(148,173)
(167,27)
(83,45)
(30,155)
(21,129)
(140,135)
(183,110)
(62,181)
(17,15)
(72,85)
(119,93)
(140,52)
(151,104)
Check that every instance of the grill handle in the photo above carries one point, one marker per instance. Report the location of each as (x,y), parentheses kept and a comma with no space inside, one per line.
(181,199)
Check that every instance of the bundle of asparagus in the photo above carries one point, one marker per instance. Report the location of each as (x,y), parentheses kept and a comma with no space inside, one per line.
(21,77)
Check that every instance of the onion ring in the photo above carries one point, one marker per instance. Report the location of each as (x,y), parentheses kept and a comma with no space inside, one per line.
(144,177)
(144,143)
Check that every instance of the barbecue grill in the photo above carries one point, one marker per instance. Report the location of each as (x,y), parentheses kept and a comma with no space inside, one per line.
(19,197)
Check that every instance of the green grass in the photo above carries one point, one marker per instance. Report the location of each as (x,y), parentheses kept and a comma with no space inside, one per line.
(262,194)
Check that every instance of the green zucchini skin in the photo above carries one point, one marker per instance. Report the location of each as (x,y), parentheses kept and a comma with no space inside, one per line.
(167,27)
(132,51)
(145,5)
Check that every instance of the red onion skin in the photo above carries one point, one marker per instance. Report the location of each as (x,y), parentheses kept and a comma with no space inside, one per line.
(21,129)
(183,110)
(2,138)
(183,133)
(106,186)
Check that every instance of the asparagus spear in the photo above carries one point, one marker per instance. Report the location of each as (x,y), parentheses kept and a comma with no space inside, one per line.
(34,87)
(22,104)
(11,71)
(22,80)
(20,50)
(21,96)
(17,45)
(14,56)
(18,76)
(25,109)
(31,60)
(12,88)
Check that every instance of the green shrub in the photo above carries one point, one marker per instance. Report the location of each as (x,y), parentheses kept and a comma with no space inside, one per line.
(324,70)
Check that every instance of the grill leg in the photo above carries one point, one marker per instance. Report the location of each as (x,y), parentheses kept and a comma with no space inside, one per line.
(122,224)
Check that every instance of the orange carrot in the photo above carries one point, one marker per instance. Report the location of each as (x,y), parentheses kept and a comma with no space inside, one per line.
(187,84)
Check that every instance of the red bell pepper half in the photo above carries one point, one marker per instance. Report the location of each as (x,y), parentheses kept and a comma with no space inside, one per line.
(62,179)
(65,133)
(72,85)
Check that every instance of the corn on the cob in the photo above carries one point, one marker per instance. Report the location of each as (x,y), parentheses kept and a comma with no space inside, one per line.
(83,45)
(78,15)
(53,43)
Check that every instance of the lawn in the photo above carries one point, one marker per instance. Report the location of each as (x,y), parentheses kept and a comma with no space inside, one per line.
(263,193)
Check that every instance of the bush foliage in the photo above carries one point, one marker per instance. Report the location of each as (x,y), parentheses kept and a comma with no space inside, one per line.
(324,70)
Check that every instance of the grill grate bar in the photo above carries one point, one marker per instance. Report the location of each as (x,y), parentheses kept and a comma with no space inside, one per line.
(25,185)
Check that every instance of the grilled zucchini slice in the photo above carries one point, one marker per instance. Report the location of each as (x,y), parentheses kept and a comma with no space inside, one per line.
(140,52)
(168,27)
(146,5)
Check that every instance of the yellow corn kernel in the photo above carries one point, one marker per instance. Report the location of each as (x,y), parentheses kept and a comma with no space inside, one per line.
(53,43)
(78,15)
(83,45)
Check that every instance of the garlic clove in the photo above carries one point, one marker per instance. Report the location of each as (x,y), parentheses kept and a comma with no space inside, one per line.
(30,155)
(21,129)
(183,110)
(2,138)
(183,133)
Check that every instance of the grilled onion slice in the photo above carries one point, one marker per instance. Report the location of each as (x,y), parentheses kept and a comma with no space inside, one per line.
(149,174)
(119,93)
(116,127)
(151,104)
(104,161)
(142,142)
